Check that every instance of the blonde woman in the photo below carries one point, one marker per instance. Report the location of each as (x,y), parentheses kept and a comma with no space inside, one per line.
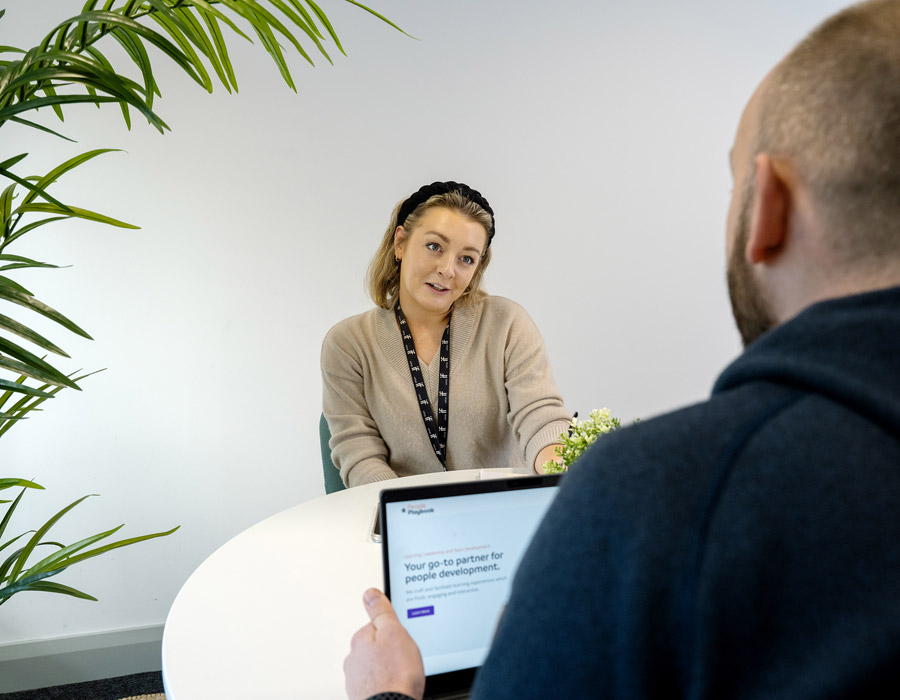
(439,375)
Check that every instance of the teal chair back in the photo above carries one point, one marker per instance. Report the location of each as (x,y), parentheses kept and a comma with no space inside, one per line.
(333,480)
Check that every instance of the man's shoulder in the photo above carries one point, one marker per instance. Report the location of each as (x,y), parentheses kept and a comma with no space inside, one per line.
(667,457)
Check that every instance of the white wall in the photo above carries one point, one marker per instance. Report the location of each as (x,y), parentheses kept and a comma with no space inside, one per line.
(599,131)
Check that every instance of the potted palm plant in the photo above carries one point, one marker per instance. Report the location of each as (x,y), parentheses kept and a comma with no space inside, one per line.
(71,66)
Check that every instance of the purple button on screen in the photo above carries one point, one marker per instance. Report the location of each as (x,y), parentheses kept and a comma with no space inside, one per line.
(420,612)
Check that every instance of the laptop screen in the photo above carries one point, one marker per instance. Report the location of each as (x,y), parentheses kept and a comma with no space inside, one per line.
(450,553)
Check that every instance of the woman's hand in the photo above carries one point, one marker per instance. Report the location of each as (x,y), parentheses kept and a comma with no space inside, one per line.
(548,454)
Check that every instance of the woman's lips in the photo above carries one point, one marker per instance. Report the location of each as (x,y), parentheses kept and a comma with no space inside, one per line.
(437,287)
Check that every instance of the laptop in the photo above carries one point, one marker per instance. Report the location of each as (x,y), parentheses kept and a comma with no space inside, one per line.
(450,553)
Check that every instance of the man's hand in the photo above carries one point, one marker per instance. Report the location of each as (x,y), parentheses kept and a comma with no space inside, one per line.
(383,657)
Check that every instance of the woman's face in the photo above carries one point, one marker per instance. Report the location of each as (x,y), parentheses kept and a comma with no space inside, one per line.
(437,260)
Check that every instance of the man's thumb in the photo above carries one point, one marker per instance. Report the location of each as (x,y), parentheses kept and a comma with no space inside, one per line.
(378,607)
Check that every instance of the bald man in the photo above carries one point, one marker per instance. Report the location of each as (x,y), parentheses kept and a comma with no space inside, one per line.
(749,546)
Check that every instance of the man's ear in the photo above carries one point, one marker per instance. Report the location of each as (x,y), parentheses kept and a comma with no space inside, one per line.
(772,201)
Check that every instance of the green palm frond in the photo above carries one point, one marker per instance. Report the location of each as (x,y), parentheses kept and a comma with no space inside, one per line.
(28,399)
(18,573)
(74,65)
(25,206)
(69,66)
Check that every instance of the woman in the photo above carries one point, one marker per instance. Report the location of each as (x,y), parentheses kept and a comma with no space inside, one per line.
(440,375)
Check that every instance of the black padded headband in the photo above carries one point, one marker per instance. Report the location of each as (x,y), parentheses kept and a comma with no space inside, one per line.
(426,192)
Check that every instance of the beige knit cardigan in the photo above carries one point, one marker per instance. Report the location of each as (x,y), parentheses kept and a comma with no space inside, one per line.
(504,405)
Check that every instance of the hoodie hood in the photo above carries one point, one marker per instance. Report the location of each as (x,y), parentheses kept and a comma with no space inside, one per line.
(846,349)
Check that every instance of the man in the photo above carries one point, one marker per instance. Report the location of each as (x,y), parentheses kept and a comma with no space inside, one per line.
(749,546)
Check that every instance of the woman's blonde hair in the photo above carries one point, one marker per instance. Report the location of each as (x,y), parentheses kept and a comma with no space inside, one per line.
(383,277)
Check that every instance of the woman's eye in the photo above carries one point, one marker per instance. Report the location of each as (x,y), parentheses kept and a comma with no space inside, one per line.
(432,246)
(468,259)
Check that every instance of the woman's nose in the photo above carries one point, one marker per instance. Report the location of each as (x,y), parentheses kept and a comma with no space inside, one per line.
(445,267)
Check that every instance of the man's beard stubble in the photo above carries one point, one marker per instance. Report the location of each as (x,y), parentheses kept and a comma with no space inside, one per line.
(748,305)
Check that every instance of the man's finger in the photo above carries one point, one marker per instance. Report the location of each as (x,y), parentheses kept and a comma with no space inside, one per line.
(378,607)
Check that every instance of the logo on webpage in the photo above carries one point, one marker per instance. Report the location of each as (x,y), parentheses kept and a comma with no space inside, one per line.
(417,509)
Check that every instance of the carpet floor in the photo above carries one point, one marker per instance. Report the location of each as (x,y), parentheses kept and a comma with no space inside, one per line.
(140,686)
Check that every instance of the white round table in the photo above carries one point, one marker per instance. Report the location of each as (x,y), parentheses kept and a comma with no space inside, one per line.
(270,614)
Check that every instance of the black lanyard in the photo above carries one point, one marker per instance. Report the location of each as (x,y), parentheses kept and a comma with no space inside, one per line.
(437,436)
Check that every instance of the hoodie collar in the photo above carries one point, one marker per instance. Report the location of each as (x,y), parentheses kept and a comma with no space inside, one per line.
(846,349)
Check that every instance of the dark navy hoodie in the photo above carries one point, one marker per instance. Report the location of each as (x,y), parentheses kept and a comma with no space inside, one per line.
(745,547)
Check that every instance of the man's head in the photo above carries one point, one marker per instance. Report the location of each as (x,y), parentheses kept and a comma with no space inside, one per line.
(816,164)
